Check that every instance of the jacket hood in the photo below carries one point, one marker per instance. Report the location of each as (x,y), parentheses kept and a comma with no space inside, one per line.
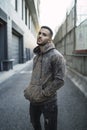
(44,49)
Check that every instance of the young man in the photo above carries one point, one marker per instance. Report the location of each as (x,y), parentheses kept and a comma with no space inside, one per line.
(47,77)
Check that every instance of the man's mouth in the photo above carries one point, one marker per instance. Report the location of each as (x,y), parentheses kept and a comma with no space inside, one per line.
(39,40)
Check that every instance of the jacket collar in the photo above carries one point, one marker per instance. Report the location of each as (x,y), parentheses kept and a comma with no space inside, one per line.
(44,49)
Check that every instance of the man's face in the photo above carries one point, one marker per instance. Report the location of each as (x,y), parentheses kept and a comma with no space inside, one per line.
(43,37)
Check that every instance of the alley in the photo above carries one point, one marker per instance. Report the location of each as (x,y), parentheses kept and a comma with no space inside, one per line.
(14,108)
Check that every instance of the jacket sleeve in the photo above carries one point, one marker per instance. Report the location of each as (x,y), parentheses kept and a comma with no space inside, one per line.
(58,72)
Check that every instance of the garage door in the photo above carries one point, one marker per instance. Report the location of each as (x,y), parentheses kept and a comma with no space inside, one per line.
(15,49)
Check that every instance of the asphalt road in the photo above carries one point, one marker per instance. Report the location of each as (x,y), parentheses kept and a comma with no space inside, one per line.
(14,108)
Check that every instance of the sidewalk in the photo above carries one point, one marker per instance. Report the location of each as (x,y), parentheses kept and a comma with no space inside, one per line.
(79,80)
(4,75)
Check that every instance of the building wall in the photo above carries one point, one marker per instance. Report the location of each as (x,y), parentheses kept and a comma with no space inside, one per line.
(16,24)
(67,39)
(81,38)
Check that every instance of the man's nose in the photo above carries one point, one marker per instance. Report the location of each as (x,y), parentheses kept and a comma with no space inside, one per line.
(40,35)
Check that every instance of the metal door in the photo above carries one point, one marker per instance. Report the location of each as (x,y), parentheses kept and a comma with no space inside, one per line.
(15,49)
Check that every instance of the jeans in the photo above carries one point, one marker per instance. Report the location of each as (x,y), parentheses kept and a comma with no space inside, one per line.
(49,111)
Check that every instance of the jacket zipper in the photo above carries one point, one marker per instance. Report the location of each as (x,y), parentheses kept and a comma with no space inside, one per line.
(41,66)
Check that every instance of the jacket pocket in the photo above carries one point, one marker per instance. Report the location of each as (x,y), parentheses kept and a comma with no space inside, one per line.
(34,93)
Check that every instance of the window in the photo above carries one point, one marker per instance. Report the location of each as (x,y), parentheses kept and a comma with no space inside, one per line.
(16,5)
(25,15)
(22,9)
(29,20)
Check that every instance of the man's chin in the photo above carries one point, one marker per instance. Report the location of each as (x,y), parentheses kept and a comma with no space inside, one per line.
(41,44)
(38,43)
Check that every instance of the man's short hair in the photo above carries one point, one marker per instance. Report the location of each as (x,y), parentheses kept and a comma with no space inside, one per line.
(51,32)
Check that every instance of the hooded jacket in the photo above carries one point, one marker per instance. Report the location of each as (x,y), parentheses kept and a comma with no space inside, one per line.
(47,75)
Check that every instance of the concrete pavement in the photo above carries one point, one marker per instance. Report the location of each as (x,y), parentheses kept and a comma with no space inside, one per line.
(14,108)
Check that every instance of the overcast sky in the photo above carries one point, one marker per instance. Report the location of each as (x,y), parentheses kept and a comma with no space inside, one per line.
(53,12)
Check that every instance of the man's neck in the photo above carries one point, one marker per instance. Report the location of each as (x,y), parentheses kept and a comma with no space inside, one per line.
(41,48)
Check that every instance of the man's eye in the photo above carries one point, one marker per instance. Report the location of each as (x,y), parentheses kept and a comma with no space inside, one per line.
(39,33)
(44,34)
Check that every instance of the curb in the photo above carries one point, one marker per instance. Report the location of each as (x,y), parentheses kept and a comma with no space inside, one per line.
(79,80)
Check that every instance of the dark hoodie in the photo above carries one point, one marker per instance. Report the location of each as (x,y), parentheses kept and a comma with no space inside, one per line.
(47,75)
